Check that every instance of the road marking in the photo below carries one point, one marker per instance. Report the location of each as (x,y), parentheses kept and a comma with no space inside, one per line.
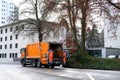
(91,78)
(49,70)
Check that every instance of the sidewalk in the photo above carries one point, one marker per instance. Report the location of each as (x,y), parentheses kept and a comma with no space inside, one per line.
(14,62)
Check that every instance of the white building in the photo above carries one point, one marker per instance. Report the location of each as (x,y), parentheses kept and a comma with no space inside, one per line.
(8,12)
(111,25)
(11,43)
(112,28)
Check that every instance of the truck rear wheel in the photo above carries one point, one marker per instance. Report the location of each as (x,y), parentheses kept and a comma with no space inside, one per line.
(34,63)
(52,66)
(38,63)
(46,66)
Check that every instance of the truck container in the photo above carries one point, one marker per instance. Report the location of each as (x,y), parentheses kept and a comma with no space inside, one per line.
(43,54)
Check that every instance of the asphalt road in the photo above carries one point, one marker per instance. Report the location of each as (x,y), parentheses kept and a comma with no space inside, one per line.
(17,72)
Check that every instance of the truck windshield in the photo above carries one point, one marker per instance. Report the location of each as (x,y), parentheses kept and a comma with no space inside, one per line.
(22,50)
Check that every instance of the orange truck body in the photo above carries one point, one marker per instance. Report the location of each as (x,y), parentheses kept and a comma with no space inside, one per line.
(38,54)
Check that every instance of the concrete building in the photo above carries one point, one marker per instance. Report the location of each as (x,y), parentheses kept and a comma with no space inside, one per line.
(111,27)
(8,12)
(11,42)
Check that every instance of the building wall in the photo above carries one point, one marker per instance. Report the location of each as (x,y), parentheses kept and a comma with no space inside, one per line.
(103,50)
(8,11)
(111,28)
(112,36)
(11,42)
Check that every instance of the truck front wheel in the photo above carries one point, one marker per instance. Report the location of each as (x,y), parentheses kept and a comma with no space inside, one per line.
(52,66)
(23,63)
(38,63)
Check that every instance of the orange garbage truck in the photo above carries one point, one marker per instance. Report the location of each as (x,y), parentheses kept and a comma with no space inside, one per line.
(43,54)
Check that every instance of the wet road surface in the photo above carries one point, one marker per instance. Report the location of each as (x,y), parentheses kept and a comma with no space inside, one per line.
(17,72)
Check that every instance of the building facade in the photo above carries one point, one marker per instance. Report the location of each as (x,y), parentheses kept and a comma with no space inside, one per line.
(8,12)
(111,25)
(111,33)
(11,42)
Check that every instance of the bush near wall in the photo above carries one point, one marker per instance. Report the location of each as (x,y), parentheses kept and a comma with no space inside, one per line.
(88,62)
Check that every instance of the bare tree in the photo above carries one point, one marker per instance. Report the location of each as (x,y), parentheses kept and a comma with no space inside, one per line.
(85,12)
(36,12)
(116,5)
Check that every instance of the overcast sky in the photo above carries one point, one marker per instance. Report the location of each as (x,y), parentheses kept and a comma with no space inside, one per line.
(17,2)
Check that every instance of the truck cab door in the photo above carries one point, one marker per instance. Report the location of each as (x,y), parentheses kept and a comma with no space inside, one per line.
(23,53)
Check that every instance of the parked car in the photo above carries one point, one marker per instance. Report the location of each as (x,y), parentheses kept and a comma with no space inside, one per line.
(112,56)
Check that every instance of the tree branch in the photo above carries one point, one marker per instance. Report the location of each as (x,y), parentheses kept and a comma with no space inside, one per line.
(114,4)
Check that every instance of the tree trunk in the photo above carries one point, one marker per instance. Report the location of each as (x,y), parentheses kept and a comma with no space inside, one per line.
(72,24)
(38,23)
(39,31)
(83,24)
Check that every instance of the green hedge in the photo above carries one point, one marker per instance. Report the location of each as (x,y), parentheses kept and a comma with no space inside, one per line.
(88,62)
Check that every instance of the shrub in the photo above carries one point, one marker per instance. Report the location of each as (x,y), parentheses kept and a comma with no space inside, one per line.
(89,62)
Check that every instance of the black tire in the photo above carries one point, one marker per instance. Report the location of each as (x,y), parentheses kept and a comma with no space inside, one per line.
(52,66)
(38,63)
(34,63)
(46,66)
(23,63)
(65,65)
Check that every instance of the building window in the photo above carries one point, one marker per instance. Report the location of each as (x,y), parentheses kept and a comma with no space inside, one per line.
(3,5)
(16,27)
(0,55)
(3,18)
(6,30)
(16,55)
(11,29)
(10,46)
(16,36)
(3,13)
(5,46)
(5,55)
(22,26)
(1,31)
(6,38)
(11,3)
(0,46)
(3,22)
(10,55)
(16,45)
(1,39)
(11,37)
(3,9)
(3,1)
